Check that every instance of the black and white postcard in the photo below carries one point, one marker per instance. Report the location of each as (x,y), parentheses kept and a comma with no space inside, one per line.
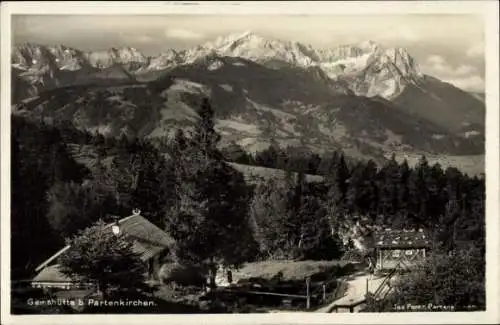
(262,162)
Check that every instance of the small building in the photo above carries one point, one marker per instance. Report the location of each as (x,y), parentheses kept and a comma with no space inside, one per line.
(394,246)
(150,242)
(51,277)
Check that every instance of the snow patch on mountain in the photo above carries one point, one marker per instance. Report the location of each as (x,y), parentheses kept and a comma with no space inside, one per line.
(365,68)
(369,67)
(107,58)
(345,66)
(164,60)
(254,47)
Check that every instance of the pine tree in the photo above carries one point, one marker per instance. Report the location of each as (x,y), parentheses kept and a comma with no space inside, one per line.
(404,193)
(272,157)
(313,164)
(390,181)
(73,206)
(204,134)
(268,209)
(361,196)
(152,189)
(338,182)
(419,193)
(354,193)
(327,164)
(209,219)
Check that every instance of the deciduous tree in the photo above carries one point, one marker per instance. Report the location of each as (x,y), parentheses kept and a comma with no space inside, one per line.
(99,256)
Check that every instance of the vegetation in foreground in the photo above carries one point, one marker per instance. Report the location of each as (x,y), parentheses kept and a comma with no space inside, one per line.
(446,282)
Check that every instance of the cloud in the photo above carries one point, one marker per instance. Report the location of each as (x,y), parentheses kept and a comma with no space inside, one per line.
(464,76)
(472,83)
(476,50)
(401,33)
(183,34)
(465,70)
(435,60)
(134,38)
(144,39)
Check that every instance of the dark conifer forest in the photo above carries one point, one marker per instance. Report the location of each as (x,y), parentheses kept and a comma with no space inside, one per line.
(65,179)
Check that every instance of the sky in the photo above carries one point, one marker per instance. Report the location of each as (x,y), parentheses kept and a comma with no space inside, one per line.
(449,47)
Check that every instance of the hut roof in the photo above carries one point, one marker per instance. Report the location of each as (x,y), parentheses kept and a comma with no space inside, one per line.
(401,238)
(149,240)
(51,273)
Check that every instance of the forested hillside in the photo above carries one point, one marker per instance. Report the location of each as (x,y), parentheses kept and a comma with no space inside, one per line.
(53,195)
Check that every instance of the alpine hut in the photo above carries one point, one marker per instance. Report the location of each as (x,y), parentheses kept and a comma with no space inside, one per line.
(150,242)
(400,246)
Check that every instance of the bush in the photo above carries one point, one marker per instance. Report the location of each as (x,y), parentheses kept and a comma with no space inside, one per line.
(185,275)
(455,280)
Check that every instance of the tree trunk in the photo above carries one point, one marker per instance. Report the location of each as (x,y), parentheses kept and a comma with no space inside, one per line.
(212,272)
(103,289)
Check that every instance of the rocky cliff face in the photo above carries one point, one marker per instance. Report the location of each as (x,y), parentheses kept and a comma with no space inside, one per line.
(367,68)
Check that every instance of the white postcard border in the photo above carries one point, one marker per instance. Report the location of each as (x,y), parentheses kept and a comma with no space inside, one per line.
(487,9)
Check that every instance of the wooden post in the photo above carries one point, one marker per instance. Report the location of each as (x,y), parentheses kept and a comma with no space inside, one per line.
(308,283)
(324,292)
(366,285)
(381,260)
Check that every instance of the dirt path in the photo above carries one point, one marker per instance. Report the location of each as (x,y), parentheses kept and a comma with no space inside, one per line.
(356,290)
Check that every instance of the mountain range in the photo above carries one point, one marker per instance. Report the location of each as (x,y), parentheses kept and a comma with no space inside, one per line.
(364,98)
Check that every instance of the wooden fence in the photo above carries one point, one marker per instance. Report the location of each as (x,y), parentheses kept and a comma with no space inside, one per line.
(321,291)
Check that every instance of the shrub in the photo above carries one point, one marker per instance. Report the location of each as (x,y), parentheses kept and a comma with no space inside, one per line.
(185,275)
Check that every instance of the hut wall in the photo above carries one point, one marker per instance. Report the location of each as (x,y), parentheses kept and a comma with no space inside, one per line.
(389,258)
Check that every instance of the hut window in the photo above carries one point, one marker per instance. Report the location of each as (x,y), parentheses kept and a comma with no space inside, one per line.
(395,253)
(409,252)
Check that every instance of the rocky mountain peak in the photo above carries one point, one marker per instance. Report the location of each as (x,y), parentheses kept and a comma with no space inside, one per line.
(400,57)
(123,55)
(166,59)
(368,67)
(369,46)
(231,41)
(30,55)
(255,47)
